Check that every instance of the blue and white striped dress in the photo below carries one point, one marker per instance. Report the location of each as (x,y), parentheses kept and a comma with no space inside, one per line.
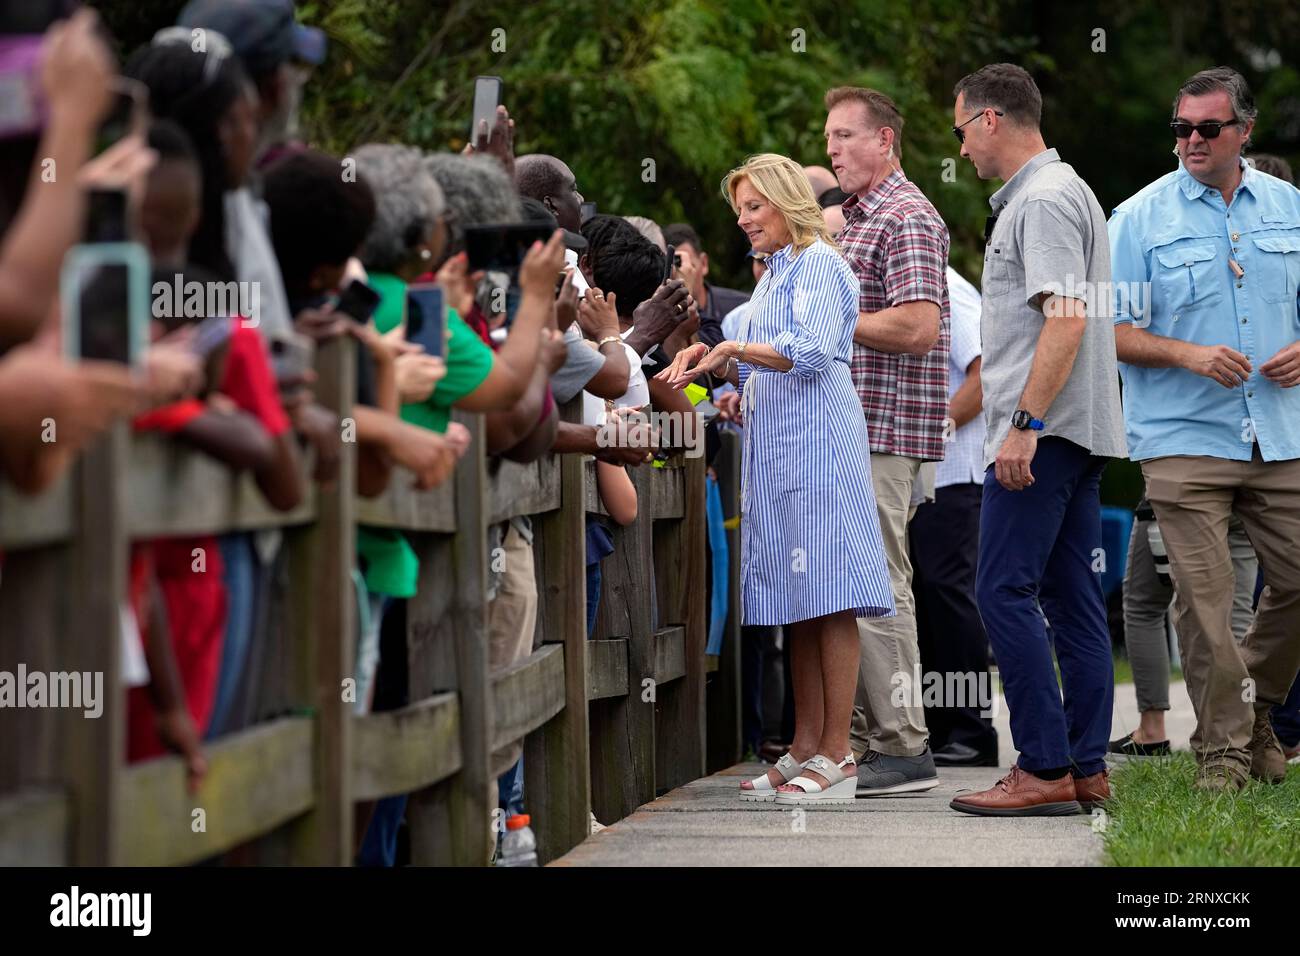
(810,538)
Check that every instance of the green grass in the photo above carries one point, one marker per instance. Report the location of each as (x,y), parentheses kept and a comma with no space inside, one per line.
(1156,818)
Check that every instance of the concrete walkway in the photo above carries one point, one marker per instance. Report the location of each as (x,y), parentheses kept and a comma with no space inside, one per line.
(703,824)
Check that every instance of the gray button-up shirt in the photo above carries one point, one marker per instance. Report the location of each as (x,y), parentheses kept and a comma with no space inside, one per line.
(1050,238)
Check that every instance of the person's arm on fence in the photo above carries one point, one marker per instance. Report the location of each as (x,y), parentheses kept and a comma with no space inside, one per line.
(512,368)
(176,728)
(228,434)
(505,430)
(50,409)
(617,493)
(430,456)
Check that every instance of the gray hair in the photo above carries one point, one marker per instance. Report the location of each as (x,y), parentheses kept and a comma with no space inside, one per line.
(476,187)
(650,229)
(408,201)
(1229,81)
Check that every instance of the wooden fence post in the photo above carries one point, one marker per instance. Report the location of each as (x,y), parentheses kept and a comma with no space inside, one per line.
(324,628)
(93,751)
(557,758)
(622,727)
(680,576)
(451,822)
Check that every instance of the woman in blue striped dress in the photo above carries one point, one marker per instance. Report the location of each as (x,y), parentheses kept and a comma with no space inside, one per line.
(811,552)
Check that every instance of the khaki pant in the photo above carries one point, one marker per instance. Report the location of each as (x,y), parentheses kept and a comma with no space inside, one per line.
(888,644)
(1193,498)
(511,621)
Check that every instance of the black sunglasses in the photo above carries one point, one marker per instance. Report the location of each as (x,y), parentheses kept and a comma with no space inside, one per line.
(1208,130)
(961,133)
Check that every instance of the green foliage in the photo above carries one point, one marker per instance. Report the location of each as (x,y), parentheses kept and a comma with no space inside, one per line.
(697,85)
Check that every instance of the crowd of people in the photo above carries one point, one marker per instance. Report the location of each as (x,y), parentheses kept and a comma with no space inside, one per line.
(922,459)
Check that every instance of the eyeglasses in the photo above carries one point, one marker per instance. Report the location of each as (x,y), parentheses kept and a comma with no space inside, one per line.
(1210,129)
(961,133)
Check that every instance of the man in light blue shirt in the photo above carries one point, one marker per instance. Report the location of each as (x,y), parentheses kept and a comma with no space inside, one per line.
(1206,266)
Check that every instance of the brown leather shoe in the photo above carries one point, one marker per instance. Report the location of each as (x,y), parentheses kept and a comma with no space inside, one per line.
(1093,791)
(1267,760)
(1021,794)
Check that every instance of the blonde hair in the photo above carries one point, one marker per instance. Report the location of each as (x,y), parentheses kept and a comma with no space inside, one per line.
(781,181)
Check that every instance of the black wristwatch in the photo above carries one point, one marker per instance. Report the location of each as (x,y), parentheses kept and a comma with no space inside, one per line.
(1022,420)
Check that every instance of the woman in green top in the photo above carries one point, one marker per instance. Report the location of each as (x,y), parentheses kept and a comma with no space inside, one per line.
(407,240)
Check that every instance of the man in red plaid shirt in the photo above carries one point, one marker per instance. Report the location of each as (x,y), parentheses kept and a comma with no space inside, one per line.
(898,246)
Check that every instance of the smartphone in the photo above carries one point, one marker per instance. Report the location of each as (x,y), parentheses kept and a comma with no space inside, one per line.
(291,357)
(358,301)
(487,97)
(579,280)
(426,317)
(501,247)
(128,114)
(106,212)
(586,211)
(104,301)
(671,259)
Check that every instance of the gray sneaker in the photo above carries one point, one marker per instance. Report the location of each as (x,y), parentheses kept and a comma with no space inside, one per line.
(880,774)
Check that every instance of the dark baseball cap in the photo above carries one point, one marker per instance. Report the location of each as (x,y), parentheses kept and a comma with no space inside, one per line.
(263,33)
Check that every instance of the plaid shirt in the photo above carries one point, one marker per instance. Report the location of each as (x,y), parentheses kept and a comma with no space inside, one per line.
(898,245)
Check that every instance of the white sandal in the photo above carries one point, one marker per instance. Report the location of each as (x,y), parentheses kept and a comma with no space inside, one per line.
(764,791)
(840,786)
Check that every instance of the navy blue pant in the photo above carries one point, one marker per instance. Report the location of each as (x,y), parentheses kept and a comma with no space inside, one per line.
(1037,550)
(1286,717)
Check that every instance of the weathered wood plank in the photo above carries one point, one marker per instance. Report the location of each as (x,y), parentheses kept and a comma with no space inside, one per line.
(324,626)
(557,759)
(402,506)
(450,823)
(35,828)
(670,654)
(172,490)
(93,749)
(30,521)
(398,751)
(667,490)
(606,669)
(527,695)
(518,489)
(590,493)
(622,728)
(256,781)
(680,566)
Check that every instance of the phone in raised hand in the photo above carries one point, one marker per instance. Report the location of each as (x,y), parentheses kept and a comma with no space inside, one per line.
(487,97)
(426,317)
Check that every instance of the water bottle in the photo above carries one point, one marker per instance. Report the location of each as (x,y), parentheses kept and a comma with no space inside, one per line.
(519,845)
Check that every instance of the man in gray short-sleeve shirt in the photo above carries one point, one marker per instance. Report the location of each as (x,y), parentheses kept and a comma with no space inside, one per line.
(1049,238)
(1051,399)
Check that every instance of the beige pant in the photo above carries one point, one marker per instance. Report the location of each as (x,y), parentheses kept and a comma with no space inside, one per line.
(888,644)
(511,621)
(1193,498)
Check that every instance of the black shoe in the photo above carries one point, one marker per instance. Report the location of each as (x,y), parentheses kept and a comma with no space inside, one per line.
(1126,747)
(960,755)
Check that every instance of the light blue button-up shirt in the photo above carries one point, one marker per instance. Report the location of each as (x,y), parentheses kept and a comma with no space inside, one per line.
(1171,247)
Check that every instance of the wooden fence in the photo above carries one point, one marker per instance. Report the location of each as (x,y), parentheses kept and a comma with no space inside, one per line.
(607,723)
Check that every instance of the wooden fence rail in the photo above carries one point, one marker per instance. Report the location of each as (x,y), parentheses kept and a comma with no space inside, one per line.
(606,723)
